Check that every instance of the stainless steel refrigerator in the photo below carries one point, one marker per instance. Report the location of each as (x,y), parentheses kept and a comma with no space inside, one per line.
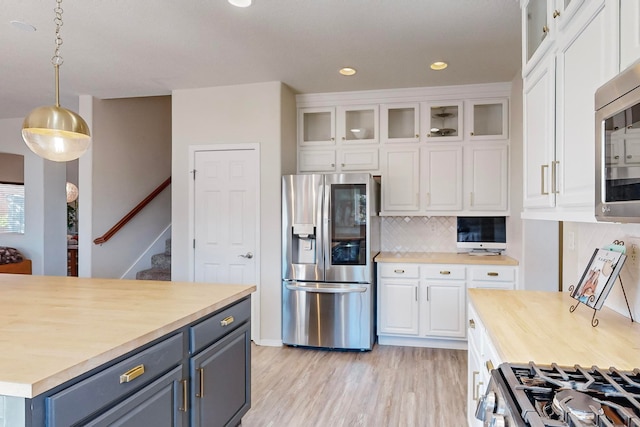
(330,235)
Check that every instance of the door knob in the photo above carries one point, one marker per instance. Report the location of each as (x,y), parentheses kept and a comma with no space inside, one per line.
(248,255)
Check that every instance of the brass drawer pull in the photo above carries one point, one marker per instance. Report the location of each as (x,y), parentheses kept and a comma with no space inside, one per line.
(185,396)
(472,323)
(489,365)
(445,272)
(492,274)
(132,374)
(399,271)
(227,321)
(201,388)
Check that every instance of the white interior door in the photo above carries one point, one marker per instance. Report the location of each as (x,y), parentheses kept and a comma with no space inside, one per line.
(226,213)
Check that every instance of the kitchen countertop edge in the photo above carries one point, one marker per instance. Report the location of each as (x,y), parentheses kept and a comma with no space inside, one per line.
(444,258)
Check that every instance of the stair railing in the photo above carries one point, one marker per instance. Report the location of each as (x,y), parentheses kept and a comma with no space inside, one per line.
(125,219)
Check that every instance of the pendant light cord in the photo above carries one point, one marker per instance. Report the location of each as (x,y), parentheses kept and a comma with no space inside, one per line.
(57,60)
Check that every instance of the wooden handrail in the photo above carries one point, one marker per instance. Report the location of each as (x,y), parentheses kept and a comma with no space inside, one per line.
(125,219)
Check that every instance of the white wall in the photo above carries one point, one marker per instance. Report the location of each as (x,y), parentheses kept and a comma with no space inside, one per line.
(261,113)
(44,240)
(130,157)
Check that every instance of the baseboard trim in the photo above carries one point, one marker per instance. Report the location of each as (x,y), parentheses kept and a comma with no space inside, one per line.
(453,344)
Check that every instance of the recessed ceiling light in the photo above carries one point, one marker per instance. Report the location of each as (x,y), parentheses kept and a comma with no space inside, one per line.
(240,3)
(347,71)
(24,26)
(439,65)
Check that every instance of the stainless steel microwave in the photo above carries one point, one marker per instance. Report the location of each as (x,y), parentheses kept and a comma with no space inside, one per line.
(617,105)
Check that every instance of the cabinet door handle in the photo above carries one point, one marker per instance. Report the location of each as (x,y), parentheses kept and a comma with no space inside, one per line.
(542,176)
(556,13)
(227,321)
(200,392)
(492,274)
(333,139)
(554,176)
(545,29)
(475,388)
(132,374)
(417,135)
(472,324)
(344,138)
(417,293)
(185,396)
(445,272)
(629,156)
(398,271)
(427,293)
(616,157)
(489,365)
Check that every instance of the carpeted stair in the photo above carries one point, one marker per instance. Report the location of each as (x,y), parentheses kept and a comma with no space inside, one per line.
(160,266)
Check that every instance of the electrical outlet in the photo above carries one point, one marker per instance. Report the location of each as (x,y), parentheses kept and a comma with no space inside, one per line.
(632,245)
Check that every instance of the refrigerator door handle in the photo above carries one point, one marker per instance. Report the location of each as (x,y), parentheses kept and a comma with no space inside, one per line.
(327,290)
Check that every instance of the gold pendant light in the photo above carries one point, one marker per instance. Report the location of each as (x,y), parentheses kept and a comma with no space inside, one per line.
(53,132)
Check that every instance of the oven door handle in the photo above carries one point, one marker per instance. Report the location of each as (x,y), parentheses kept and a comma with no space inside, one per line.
(328,290)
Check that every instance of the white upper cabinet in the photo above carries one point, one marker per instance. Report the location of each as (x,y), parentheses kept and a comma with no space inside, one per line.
(541,23)
(400,122)
(441,177)
(418,140)
(487,177)
(358,124)
(488,119)
(316,126)
(558,120)
(629,33)
(400,179)
(442,121)
(539,136)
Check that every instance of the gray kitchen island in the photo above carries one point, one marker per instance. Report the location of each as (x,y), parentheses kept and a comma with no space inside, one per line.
(77,351)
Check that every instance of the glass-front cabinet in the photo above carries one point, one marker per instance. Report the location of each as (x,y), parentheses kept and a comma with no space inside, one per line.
(316,126)
(443,121)
(536,24)
(488,119)
(358,124)
(400,122)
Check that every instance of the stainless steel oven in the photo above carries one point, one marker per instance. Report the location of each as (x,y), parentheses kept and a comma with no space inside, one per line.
(617,105)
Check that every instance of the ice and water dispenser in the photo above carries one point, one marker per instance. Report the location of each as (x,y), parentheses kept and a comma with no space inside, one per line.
(304,244)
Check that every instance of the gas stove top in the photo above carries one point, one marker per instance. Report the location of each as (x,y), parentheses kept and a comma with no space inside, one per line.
(553,396)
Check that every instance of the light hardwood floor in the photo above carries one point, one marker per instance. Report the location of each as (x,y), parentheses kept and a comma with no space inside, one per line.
(388,386)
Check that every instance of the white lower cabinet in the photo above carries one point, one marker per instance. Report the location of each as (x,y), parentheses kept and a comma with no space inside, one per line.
(398,287)
(444,297)
(482,358)
(424,305)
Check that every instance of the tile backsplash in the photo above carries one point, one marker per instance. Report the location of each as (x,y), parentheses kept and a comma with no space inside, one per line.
(418,234)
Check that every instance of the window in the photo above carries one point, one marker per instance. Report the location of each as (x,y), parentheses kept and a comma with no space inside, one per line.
(11,208)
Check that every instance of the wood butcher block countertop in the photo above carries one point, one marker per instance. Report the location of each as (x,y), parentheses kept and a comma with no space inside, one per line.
(444,258)
(53,329)
(534,326)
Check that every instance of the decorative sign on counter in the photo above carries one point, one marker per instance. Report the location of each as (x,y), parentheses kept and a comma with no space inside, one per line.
(598,278)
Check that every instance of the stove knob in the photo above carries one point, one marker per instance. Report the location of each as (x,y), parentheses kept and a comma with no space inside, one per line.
(497,421)
(486,405)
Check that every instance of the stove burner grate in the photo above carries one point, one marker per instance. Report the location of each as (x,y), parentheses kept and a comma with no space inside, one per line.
(553,396)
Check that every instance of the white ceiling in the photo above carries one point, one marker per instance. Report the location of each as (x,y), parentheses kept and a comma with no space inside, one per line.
(129,48)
